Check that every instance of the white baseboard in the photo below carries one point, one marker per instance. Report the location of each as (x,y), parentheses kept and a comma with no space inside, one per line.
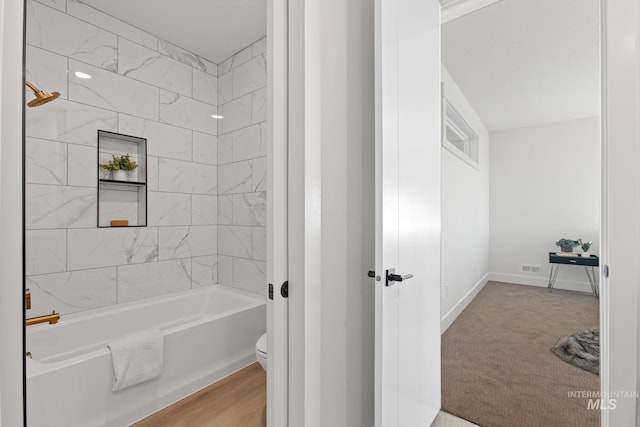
(453,314)
(540,281)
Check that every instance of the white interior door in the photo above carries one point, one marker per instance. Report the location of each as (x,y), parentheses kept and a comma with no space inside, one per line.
(408,129)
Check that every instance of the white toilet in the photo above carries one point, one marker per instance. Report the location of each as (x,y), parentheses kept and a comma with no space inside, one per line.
(261,351)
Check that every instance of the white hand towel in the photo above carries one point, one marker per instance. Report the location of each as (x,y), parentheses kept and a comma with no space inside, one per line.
(136,358)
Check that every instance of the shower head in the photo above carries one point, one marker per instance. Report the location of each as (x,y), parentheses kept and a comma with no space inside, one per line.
(41,97)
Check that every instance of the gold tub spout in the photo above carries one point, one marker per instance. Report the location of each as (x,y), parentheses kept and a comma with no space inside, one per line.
(47,318)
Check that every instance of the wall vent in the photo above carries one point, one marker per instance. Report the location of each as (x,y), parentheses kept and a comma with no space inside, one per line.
(528,268)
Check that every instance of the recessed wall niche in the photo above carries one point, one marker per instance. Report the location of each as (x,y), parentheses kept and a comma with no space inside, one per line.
(122,194)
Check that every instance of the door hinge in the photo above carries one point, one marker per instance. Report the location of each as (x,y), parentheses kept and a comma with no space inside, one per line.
(284,289)
(271,291)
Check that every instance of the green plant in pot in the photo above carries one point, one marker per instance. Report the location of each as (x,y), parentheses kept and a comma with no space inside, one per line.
(585,248)
(120,167)
(567,245)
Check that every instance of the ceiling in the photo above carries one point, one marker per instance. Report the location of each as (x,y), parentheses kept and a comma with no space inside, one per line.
(527,62)
(213,29)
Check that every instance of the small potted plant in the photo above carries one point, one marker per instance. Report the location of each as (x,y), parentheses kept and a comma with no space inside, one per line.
(585,248)
(567,245)
(120,167)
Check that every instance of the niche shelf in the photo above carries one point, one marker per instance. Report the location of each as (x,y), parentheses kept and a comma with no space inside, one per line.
(122,197)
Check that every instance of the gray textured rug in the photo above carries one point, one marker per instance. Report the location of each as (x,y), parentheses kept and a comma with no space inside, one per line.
(581,349)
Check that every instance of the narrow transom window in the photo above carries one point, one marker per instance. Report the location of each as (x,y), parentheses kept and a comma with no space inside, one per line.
(458,137)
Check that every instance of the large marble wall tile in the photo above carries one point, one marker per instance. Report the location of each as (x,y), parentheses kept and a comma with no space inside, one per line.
(237,114)
(235,178)
(210,67)
(205,87)
(263,138)
(71,292)
(204,209)
(111,91)
(153,171)
(259,174)
(58,32)
(259,106)
(151,279)
(168,209)
(225,148)
(235,241)
(259,47)
(187,177)
(111,24)
(225,88)
(83,171)
(205,148)
(53,206)
(149,66)
(46,70)
(225,270)
(67,121)
(187,112)
(185,242)
(163,140)
(234,61)
(46,251)
(225,210)
(259,243)
(250,276)
(250,76)
(56,4)
(101,247)
(46,162)
(204,271)
(187,58)
(250,209)
(249,142)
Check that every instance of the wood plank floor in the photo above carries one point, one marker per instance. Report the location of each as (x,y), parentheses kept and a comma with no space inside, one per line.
(236,401)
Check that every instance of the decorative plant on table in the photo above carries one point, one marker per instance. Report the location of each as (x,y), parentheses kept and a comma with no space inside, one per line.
(585,248)
(567,245)
(120,166)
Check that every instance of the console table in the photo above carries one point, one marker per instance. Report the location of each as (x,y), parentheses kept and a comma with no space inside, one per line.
(589,263)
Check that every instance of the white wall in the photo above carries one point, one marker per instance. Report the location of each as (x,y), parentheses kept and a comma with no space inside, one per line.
(465,215)
(545,185)
(347,161)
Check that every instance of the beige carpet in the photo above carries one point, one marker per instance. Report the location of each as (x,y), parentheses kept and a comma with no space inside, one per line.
(497,370)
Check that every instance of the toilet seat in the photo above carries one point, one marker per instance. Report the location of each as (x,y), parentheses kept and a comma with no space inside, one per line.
(261,345)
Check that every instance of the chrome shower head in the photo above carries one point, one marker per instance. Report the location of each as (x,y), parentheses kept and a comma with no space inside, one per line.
(41,97)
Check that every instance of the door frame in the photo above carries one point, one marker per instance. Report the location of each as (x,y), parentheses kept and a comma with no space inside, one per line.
(620,209)
(305,181)
(11,213)
(277,232)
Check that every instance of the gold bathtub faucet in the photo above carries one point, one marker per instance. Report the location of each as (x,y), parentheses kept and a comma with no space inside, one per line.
(47,318)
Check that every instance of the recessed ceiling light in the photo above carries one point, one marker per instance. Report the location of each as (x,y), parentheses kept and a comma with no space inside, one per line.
(81,75)
(216,116)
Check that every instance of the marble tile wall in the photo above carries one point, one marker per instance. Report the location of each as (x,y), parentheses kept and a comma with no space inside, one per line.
(141,86)
(241,159)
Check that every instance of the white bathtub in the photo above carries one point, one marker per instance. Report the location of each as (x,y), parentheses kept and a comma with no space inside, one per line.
(208,334)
